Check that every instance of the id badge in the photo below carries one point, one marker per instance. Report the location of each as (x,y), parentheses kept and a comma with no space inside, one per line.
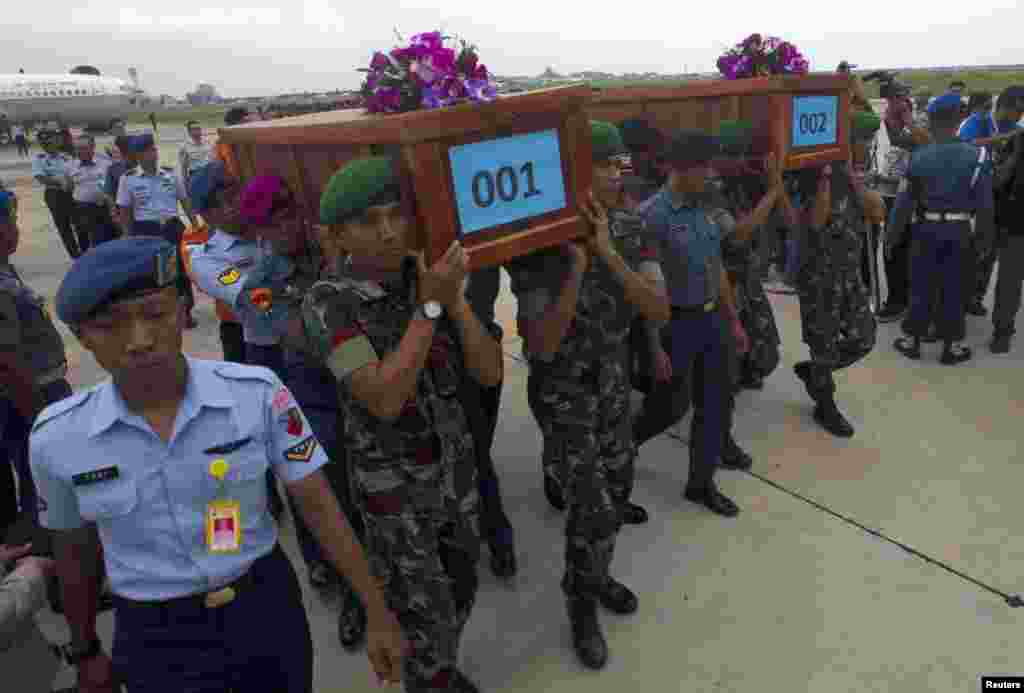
(223,527)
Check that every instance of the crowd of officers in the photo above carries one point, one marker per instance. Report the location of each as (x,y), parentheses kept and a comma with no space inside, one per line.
(368,382)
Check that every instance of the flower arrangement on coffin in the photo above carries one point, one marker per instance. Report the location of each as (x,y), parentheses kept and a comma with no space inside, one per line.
(762,56)
(426,74)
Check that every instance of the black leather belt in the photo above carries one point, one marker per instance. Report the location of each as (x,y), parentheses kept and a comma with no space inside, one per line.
(210,600)
(678,311)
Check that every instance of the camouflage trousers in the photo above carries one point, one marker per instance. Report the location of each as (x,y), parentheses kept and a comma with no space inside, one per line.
(583,410)
(427,567)
(755,312)
(835,310)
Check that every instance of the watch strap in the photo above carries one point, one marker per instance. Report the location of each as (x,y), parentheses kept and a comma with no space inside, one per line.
(94,648)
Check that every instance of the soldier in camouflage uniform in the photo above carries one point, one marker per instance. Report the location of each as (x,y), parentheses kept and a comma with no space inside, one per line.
(400,366)
(750,204)
(576,305)
(835,311)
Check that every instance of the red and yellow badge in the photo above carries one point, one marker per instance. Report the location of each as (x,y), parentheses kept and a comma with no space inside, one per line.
(260,298)
(282,401)
(229,276)
(295,425)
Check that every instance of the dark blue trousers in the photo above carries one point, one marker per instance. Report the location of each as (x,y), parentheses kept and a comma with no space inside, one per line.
(937,254)
(316,391)
(700,347)
(258,642)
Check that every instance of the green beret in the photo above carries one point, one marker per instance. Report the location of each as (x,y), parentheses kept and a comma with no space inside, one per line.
(357,186)
(865,125)
(736,136)
(605,140)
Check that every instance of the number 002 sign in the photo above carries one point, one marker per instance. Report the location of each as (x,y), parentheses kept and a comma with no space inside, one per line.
(508,179)
(814,120)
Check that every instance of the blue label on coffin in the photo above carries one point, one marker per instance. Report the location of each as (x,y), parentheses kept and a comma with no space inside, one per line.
(507,180)
(815,120)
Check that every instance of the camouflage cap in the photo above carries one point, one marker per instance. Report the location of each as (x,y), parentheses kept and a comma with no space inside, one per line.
(357,186)
(605,140)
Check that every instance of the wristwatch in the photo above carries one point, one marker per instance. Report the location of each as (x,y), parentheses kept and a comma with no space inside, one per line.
(77,656)
(431,310)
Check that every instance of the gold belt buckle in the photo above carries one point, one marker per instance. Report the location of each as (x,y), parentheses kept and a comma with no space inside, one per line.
(222,597)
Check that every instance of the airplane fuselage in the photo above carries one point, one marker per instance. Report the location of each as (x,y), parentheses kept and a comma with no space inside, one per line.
(70,99)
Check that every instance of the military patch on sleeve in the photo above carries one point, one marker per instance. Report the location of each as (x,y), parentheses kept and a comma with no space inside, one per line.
(350,351)
(282,401)
(229,276)
(303,452)
(295,426)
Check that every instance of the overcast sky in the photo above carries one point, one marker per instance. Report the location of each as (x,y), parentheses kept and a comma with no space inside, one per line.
(263,48)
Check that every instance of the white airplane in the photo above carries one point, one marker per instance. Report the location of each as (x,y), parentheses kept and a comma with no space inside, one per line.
(72,99)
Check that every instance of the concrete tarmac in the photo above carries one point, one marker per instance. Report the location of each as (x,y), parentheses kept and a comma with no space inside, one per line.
(787,597)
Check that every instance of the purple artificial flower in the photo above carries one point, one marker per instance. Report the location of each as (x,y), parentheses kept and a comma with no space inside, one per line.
(480,90)
(468,62)
(379,62)
(390,99)
(430,41)
(431,98)
(440,61)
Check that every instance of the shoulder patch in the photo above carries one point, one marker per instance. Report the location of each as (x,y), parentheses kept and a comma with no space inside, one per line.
(239,371)
(229,276)
(62,407)
(302,452)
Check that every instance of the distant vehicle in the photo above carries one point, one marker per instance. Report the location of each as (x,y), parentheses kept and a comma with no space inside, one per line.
(88,100)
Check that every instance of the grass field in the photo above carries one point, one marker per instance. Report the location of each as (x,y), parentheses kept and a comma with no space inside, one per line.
(208,116)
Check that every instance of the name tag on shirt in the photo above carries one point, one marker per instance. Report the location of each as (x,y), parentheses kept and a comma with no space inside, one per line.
(223,526)
(96,476)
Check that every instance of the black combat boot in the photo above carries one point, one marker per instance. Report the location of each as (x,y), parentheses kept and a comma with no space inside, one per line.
(828,416)
(733,456)
(351,619)
(633,514)
(554,493)
(618,598)
(1001,340)
(460,683)
(952,354)
(587,638)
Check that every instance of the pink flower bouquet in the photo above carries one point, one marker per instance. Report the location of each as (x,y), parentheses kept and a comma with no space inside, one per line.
(759,56)
(425,74)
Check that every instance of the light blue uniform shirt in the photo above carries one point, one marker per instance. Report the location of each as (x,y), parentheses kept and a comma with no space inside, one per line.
(87,180)
(219,268)
(55,165)
(690,238)
(151,517)
(152,197)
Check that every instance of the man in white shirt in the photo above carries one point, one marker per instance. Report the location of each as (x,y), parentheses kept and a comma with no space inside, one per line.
(194,154)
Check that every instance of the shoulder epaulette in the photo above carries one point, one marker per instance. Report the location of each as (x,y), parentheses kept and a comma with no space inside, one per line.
(238,371)
(62,407)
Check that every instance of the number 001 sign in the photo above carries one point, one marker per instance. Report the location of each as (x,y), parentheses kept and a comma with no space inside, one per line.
(508,179)
(814,120)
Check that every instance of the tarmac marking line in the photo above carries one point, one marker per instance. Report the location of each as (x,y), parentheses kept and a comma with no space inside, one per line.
(1013,601)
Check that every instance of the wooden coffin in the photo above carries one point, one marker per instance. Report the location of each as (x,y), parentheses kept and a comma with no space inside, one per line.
(505,178)
(803,119)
